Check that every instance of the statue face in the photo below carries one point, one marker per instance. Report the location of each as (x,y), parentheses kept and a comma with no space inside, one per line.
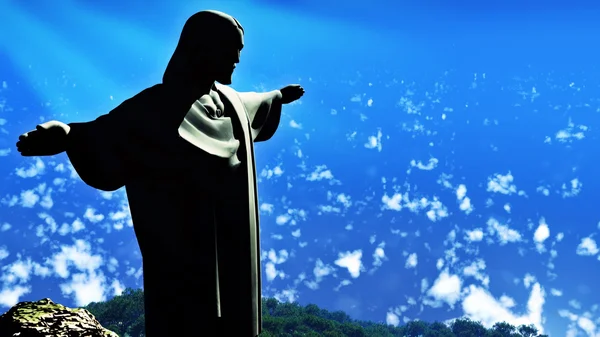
(227,57)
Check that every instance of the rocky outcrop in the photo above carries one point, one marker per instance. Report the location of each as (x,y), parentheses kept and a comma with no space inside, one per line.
(45,318)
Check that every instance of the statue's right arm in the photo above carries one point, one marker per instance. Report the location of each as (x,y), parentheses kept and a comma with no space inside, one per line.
(103,151)
(97,149)
(92,153)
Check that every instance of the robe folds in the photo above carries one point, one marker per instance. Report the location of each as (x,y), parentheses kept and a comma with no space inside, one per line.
(190,180)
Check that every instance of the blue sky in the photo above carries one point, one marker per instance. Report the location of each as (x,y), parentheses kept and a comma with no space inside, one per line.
(440,165)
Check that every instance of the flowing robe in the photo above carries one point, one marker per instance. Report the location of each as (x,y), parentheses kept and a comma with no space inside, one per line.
(191,187)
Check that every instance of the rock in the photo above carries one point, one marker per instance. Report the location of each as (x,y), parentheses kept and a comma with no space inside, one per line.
(45,318)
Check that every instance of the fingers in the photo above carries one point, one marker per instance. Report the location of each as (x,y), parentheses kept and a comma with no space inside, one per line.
(27,149)
(29,143)
(20,147)
(25,142)
(22,150)
(24,139)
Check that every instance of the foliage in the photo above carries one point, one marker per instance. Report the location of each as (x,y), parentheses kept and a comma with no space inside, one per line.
(124,315)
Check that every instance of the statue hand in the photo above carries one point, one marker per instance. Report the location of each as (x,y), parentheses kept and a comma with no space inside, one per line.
(47,139)
(291,93)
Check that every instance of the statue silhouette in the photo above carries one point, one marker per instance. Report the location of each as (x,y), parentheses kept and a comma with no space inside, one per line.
(183,149)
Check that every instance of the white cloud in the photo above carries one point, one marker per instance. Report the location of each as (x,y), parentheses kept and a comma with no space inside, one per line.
(411,261)
(475,270)
(320,173)
(502,184)
(570,133)
(556,292)
(267,208)
(3,253)
(11,296)
(587,325)
(91,215)
(541,234)
(587,246)
(319,271)
(392,319)
(37,168)
(474,235)
(480,305)
(351,261)
(572,189)
(528,280)
(282,219)
(29,198)
(466,206)
(374,142)
(431,164)
(78,255)
(295,125)
(272,272)
(446,288)
(503,232)
(379,255)
(461,191)
(278,258)
(85,288)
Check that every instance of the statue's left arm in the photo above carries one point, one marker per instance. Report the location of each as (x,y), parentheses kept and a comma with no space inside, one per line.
(264,112)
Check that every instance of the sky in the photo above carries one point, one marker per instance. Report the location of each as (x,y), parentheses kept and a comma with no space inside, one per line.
(440,165)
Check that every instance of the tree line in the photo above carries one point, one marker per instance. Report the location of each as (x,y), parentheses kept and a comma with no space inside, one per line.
(124,315)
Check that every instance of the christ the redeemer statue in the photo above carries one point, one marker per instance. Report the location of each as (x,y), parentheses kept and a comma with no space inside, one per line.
(183,149)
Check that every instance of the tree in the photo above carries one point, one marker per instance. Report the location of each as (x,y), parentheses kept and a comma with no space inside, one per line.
(528,330)
(121,312)
(468,328)
(124,314)
(505,329)
(415,328)
(437,329)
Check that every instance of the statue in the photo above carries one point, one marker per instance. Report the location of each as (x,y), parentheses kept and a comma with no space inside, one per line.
(183,149)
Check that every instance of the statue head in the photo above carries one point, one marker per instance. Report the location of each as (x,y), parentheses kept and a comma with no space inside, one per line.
(208,50)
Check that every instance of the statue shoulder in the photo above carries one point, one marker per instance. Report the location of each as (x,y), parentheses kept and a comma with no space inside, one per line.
(141,102)
(152,95)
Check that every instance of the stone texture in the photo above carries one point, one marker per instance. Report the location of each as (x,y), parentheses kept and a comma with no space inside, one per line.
(48,319)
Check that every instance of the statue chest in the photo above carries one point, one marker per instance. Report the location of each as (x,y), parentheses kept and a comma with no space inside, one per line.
(207,127)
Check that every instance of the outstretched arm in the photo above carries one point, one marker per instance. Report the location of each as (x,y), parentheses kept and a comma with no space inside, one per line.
(88,145)
(264,112)
(264,109)
(105,151)
(94,150)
